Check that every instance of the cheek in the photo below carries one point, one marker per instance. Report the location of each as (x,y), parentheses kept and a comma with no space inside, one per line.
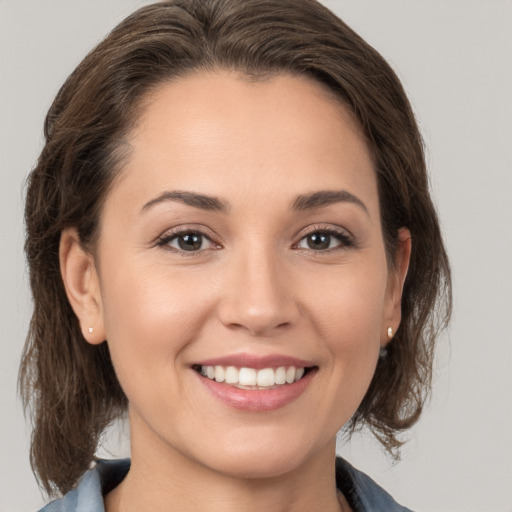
(346,309)
(150,315)
(348,305)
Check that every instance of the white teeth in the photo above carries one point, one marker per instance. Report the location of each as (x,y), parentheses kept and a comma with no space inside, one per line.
(247,377)
(220,374)
(281,375)
(231,375)
(266,377)
(290,375)
(250,377)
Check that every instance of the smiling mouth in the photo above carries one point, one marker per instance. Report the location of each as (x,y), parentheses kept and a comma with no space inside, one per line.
(251,378)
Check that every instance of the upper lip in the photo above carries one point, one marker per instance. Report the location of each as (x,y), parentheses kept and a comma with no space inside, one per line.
(257,362)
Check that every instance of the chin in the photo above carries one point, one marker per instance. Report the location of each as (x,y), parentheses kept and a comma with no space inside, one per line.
(259,467)
(260,458)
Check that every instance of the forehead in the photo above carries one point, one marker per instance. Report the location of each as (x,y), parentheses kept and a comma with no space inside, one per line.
(220,133)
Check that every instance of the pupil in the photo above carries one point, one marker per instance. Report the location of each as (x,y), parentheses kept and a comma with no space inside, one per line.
(191,242)
(319,241)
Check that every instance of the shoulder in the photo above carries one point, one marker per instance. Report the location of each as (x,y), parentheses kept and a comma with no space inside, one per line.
(95,483)
(363,494)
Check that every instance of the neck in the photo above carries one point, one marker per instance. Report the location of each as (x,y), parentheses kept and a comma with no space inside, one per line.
(165,479)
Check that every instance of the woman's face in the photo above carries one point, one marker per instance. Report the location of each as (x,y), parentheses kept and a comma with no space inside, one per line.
(242,242)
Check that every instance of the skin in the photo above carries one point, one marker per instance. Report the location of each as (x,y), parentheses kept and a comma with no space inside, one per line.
(257,287)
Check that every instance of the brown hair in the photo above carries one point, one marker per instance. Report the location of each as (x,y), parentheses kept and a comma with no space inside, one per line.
(71,385)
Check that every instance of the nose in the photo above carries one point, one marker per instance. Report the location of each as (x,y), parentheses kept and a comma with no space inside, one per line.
(257,296)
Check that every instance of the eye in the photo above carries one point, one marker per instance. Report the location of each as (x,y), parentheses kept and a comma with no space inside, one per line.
(187,241)
(324,240)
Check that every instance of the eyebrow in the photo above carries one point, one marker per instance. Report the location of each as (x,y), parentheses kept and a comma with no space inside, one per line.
(202,201)
(325,198)
(310,201)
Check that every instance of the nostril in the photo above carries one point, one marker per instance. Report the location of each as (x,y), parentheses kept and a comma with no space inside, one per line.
(258,316)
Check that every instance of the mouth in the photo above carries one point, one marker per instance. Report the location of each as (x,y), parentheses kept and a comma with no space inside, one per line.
(258,379)
(256,383)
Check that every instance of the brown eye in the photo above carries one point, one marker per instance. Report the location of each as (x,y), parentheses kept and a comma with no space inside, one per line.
(323,241)
(318,241)
(187,241)
(190,242)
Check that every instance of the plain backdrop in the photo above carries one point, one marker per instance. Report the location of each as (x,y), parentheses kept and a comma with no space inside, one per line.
(455,60)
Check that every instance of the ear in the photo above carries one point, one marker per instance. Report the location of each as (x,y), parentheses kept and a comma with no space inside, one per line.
(81,282)
(396,280)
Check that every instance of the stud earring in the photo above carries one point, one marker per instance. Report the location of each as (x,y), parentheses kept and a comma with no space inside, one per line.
(390,332)
(91,329)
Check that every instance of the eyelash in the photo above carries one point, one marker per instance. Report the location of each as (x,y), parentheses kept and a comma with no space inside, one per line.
(346,240)
(165,240)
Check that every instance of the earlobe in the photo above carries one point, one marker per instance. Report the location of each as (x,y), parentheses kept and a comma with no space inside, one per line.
(395,286)
(81,282)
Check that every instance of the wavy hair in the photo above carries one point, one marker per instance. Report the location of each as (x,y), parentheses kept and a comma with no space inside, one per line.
(70,386)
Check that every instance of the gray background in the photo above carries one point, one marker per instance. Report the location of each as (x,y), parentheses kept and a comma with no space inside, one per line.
(454,57)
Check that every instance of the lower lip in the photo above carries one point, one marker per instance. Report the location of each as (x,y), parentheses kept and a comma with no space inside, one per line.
(258,399)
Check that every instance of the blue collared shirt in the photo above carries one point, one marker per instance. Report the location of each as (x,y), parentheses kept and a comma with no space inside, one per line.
(362,493)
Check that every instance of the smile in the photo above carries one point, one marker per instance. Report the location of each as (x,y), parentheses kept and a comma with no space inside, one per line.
(263,388)
(252,378)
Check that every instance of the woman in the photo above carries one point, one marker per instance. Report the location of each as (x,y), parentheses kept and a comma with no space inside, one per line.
(230,236)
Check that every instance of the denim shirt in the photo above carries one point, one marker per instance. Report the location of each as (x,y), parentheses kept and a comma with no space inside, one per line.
(362,493)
